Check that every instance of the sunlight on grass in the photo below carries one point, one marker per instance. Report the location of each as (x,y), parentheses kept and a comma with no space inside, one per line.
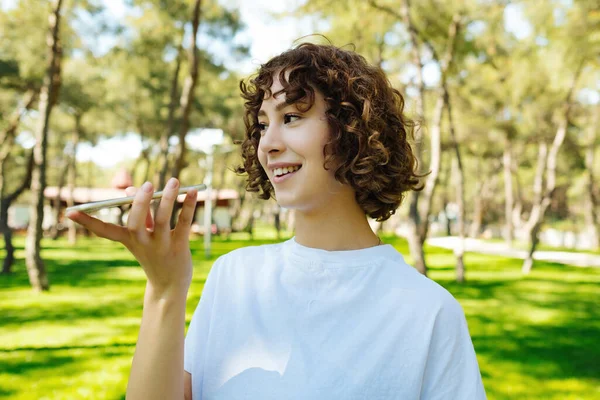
(535,336)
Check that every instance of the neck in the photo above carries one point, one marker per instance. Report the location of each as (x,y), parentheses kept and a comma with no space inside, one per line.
(336,227)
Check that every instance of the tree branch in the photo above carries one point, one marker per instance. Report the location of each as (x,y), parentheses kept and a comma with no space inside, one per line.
(26,182)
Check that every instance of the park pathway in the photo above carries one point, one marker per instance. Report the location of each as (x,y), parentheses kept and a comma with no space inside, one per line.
(501,249)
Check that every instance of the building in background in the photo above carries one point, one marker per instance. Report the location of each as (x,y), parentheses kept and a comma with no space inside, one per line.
(222,200)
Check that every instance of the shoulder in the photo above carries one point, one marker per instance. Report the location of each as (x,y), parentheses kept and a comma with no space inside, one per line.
(429,295)
(250,253)
(247,258)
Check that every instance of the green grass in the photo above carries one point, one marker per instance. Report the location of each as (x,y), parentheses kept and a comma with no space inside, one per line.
(536,337)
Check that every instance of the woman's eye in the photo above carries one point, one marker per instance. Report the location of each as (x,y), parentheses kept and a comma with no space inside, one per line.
(290,118)
(262,127)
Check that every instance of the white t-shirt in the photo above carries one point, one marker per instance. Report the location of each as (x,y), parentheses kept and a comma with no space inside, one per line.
(286,321)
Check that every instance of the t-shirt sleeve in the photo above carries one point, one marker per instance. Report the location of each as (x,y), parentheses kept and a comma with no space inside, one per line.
(451,371)
(198,331)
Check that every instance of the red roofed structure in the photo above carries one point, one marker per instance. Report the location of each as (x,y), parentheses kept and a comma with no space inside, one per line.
(122,179)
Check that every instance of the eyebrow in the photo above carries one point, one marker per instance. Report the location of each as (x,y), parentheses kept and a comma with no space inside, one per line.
(278,107)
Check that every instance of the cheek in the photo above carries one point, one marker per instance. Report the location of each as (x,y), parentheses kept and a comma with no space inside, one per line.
(262,157)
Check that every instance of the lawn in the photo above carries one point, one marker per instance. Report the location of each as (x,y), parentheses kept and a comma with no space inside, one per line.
(536,337)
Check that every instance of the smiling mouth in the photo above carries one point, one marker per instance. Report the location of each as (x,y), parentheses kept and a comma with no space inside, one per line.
(280,172)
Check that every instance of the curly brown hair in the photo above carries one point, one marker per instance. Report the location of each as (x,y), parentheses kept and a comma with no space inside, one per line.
(368,148)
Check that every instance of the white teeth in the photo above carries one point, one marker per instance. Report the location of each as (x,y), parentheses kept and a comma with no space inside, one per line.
(285,170)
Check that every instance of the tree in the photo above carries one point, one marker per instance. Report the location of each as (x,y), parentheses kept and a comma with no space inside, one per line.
(78,118)
(7,139)
(48,93)
(568,28)
(548,159)
(419,216)
(149,96)
(458,173)
(187,95)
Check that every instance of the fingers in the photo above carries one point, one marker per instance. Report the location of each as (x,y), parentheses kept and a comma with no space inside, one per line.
(99,228)
(162,221)
(136,222)
(186,217)
(131,191)
(149,221)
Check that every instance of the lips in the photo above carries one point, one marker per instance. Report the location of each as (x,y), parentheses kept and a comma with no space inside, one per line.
(283,174)
(286,170)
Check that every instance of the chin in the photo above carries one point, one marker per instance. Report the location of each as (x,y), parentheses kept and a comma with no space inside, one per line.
(288,203)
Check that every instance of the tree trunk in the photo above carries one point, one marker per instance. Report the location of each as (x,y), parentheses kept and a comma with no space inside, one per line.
(7,140)
(5,202)
(436,128)
(4,228)
(187,94)
(539,211)
(144,156)
(415,243)
(445,177)
(508,192)
(434,166)
(538,187)
(534,240)
(277,221)
(416,220)
(459,179)
(9,259)
(517,222)
(484,189)
(163,162)
(435,150)
(591,210)
(419,219)
(72,176)
(35,266)
(57,202)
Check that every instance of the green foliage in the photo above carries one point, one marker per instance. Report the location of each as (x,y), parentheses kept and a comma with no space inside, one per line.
(24,44)
(535,337)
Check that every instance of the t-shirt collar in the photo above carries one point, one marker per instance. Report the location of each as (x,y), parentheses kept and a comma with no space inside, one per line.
(339,258)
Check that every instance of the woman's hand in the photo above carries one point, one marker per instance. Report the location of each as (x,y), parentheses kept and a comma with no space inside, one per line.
(163,253)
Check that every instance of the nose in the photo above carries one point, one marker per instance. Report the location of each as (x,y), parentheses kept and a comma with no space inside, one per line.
(272,140)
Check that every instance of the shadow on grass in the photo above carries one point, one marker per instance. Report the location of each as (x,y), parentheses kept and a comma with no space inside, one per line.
(545,325)
(43,360)
(544,351)
(69,272)
(95,262)
(107,346)
(47,370)
(65,312)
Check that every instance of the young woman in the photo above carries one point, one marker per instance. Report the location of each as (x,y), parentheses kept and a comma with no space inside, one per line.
(329,314)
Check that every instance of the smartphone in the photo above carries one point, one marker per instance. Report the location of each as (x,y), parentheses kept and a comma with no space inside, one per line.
(97,205)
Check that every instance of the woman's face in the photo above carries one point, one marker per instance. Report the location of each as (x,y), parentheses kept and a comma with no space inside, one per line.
(291,153)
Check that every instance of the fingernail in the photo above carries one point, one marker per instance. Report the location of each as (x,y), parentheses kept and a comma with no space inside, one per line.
(172,183)
(147,187)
